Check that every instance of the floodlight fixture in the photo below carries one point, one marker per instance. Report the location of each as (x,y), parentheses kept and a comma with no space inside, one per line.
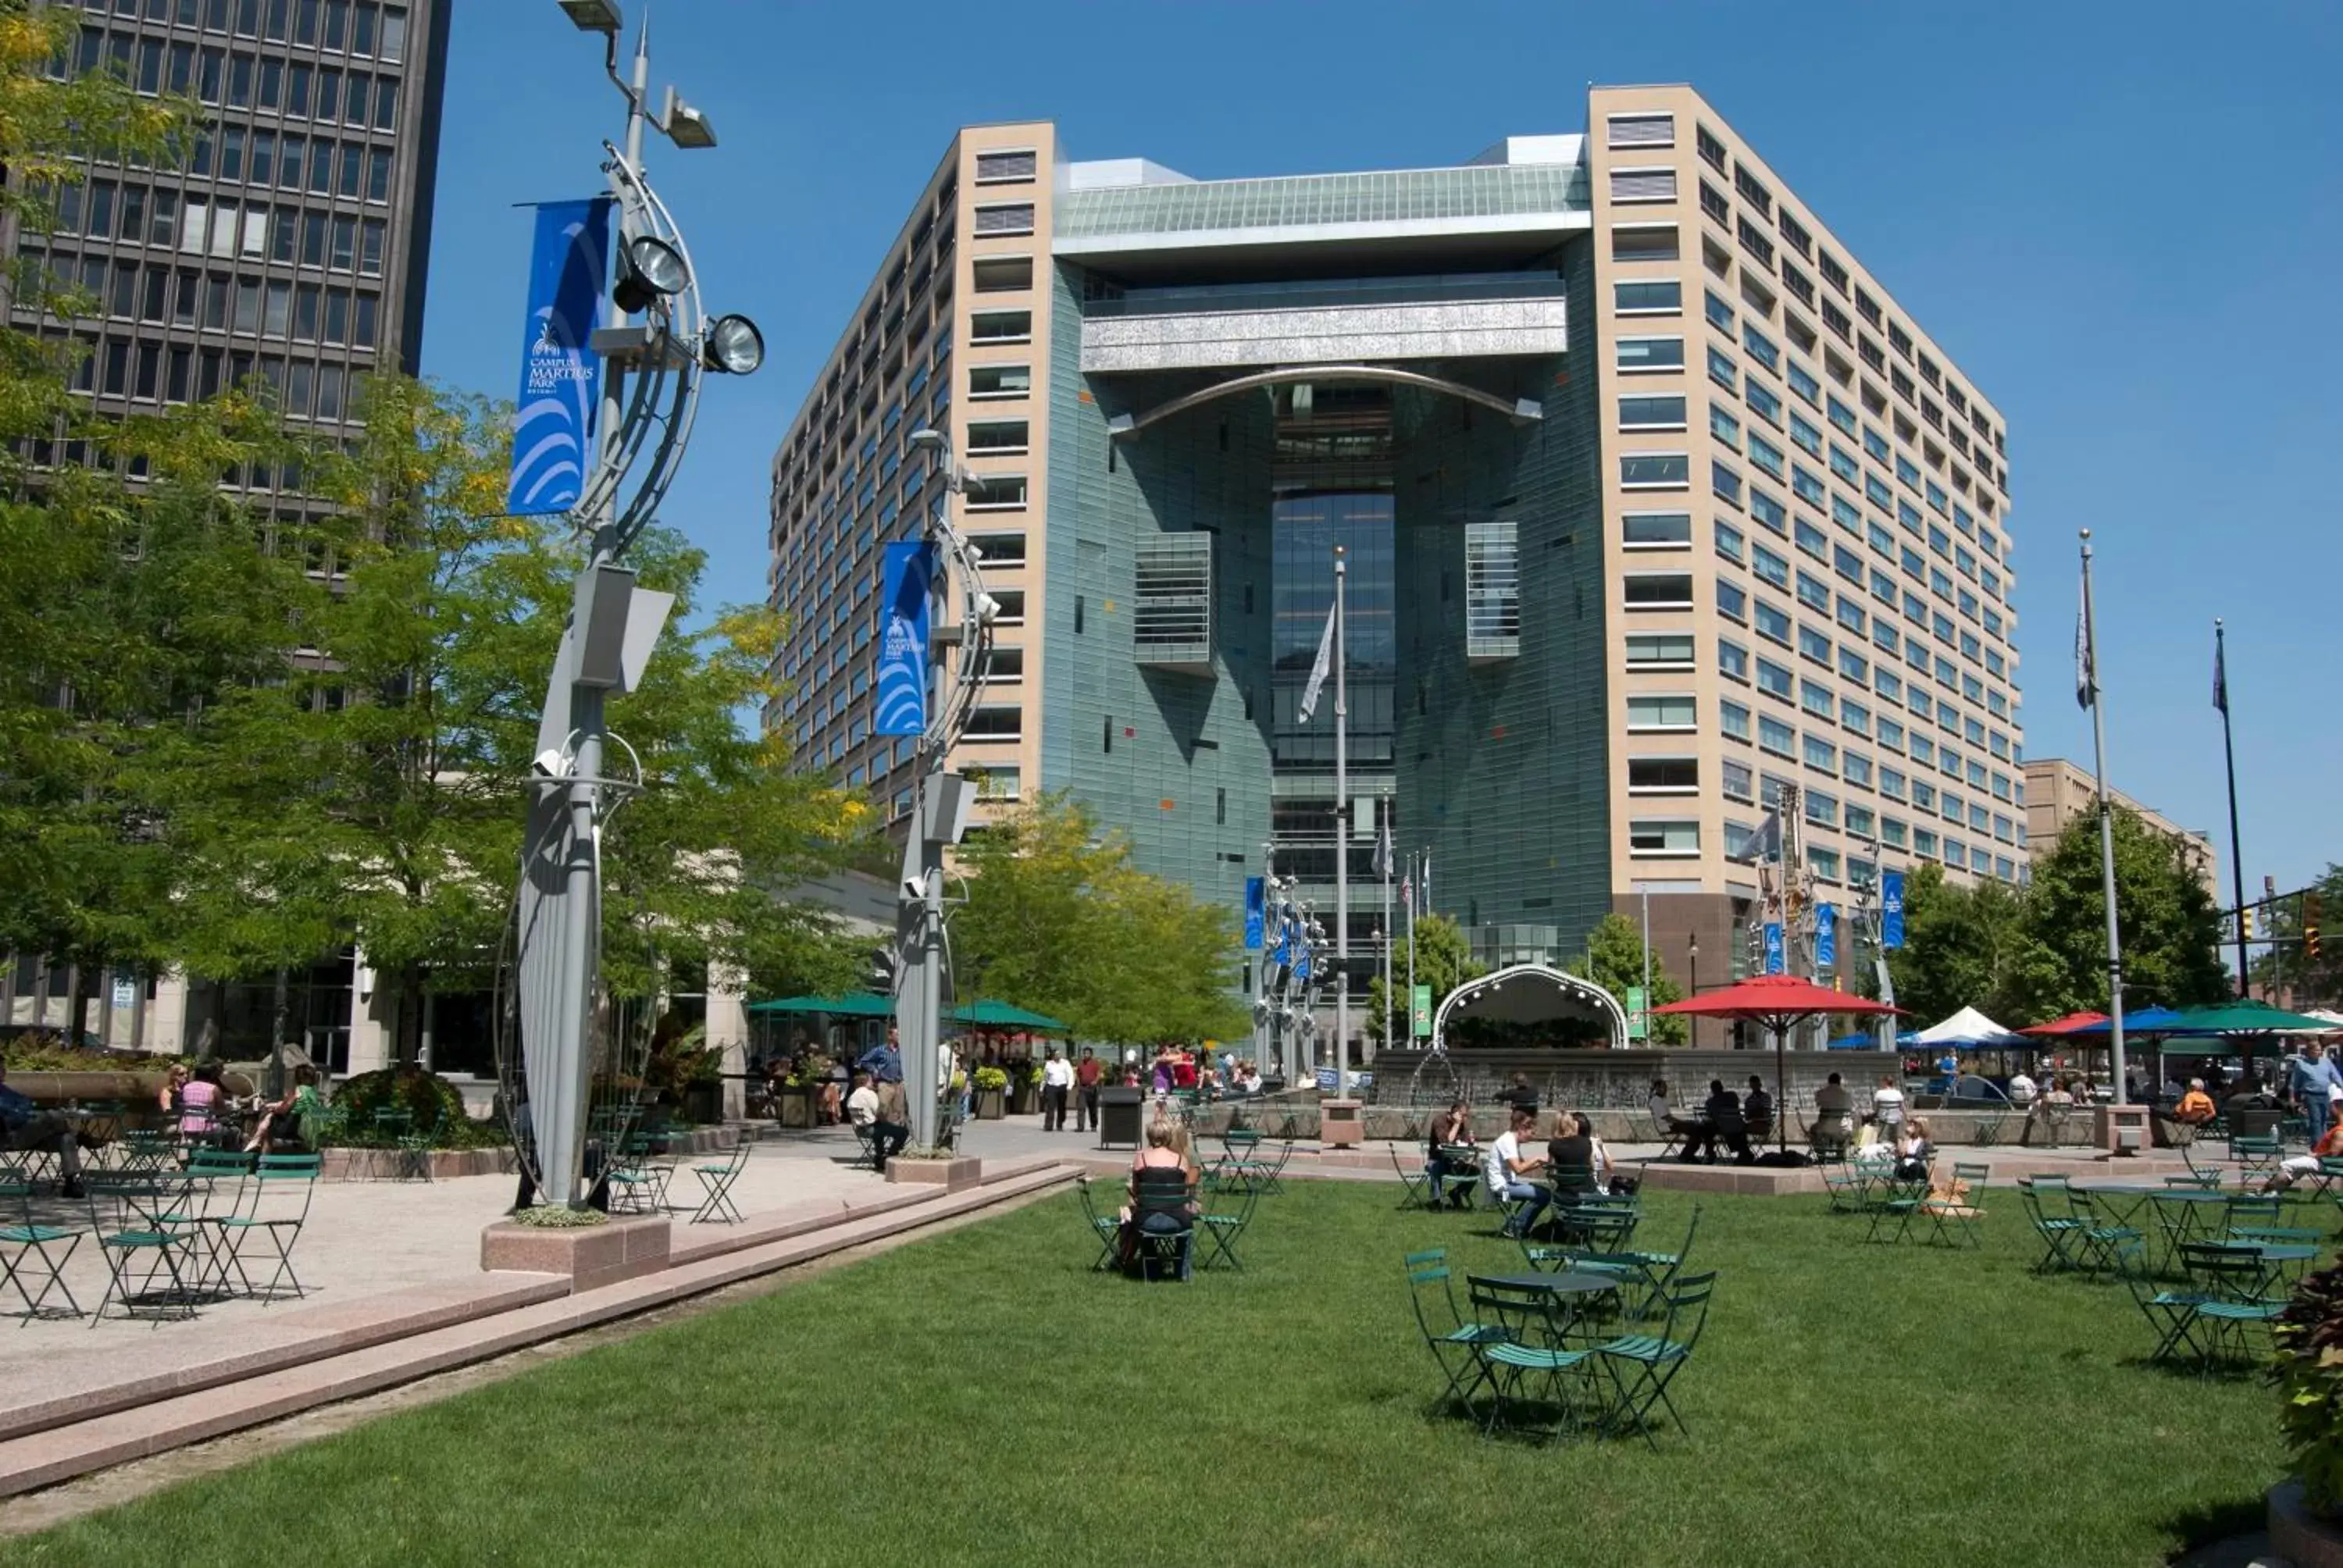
(733,344)
(927,439)
(595,15)
(650,267)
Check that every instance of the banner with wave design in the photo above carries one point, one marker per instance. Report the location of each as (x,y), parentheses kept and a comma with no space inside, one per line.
(904,590)
(561,375)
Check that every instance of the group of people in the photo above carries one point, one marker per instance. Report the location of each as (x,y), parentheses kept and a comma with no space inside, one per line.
(1575,1158)
(195,1105)
(1726,1119)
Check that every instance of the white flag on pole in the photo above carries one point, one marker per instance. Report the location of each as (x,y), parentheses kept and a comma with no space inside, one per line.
(1383,851)
(1765,843)
(1319,671)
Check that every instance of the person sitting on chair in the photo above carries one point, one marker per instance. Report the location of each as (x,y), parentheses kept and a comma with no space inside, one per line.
(1159,1165)
(1912,1152)
(27,1128)
(1664,1115)
(1506,1169)
(1833,1123)
(891,1128)
(2195,1107)
(1451,1129)
(1721,1124)
(2296,1167)
(292,1119)
(1572,1156)
(1757,1107)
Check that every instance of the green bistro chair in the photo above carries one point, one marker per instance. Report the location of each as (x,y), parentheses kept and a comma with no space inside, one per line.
(1173,1248)
(2257,1155)
(1539,1348)
(715,1179)
(2050,1207)
(1899,1199)
(638,1178)
(1415,1186)
(1848,1188)
(1643,1366)
(31,1253)
(2100,1236)
(1645,1278)
(1954,1218)
(2171,1313)
(282,1189)
(2245,1298)
(1454,1340)
(1105,1227)
(151,1265)
(1224,1219)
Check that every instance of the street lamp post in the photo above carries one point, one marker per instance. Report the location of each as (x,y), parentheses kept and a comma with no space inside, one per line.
(1692,955)
(650,398)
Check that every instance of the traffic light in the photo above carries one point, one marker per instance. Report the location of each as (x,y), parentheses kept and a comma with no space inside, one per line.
(883,970)
(2310,913)
(2246,922)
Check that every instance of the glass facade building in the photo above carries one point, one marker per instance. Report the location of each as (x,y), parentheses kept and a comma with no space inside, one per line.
(1642,523)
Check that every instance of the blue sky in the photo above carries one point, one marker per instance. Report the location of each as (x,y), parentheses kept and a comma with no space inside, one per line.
(2119,221)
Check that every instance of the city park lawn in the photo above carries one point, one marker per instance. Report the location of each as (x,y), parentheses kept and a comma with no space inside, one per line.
(982,1397)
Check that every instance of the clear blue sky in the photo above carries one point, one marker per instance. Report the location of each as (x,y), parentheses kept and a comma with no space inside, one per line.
(2123,222)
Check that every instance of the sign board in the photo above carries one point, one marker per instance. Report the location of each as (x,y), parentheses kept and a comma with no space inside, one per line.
(1256,913)
(126,993)
(1775,963)
(1891,910)
(904,587)
(560,374)
(1826,935)
(1419,1011)
(1639,1017)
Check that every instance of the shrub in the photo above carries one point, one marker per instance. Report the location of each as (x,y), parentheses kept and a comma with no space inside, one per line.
(2308,1371)
(42,1052)
(990,1078)
(430,1100)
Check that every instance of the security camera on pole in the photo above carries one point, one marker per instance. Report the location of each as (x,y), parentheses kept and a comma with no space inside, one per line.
(601,407)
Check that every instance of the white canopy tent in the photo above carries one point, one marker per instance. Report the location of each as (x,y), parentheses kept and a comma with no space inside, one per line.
(1970,1028)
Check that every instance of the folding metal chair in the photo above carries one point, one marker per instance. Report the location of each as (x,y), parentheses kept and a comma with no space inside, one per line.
(1107,1228)
(1170,1246)
(1955,1215)
(2060,1228)
(1454,1340)
(716,1179)
(1539,1345)
(1642,1366)
(282,1189)
(1416,1185)
(28,1251)
(1224,1224)
(129,1218)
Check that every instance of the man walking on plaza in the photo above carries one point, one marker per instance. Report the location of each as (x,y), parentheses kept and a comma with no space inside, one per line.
(1057,1080)
(1087,1073)
(2310,1080)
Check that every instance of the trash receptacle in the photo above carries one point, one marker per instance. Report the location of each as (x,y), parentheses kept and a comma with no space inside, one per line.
(1120,1116)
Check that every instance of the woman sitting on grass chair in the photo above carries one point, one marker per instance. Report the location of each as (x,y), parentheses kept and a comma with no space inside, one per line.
(293,1120)
(1161,1165)
(1912,1152)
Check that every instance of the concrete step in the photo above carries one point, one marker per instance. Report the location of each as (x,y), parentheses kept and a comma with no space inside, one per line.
(154,1415)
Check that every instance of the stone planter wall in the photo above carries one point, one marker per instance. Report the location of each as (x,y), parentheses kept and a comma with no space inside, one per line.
(589,1256)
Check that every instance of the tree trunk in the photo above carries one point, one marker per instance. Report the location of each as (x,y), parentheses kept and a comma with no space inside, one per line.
(409,1026)
(277,1022)
(77,1009)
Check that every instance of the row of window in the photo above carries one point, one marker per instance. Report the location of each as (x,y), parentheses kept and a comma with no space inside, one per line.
(361,27)
(292,88)
(305,312)
(171,373)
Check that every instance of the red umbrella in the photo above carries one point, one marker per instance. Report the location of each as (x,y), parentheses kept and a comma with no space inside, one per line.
(1780,1002)
(2073,1023)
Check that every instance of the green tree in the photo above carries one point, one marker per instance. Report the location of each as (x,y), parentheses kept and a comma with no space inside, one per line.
(374,789)
(2171,929)
(1613,960)
(1058,919)
(1444,960)
(1972,945)
(2285,968)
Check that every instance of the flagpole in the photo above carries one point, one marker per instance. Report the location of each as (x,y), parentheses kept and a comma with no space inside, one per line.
(1342,833)
(2229,755)
(2087,687)
(1382,854)
(1414,898)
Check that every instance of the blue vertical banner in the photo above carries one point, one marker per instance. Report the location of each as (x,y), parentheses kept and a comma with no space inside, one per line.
(1891,910)
(1826,935)
(560,374)
(1256,913)
(1774,960)
(904,596)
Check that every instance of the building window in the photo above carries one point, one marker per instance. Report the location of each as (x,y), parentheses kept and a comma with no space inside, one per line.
(1009,166)
(1492,590)
(1172,608)
(1657,296)
(999,550)
(1733,718)
(1656,590)
(1002,667)
(1651,413)
(1639,355)
(1655,530)
(996,784)
(1632,185)
(1654,836)
(1001,273)
(1660,651)
(1000,327)
(996,723)
(1654,470)
(1642,130)
(1004,218)
(996,437)
(1000,381)
(1663,775)
(995,493)
(1653,713)
(1776,737)
(1645,242)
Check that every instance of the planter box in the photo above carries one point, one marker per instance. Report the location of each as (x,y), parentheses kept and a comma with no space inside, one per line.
(588,1257)
(1024,1098)
(704,1103)
(988,1104)
(794,1107)
(954,1175)
(1341,1123)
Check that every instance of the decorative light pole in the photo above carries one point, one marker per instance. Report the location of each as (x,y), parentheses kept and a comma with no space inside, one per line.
(654,352)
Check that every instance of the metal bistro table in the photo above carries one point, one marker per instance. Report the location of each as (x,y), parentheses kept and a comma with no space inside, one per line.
(2189,1214)
(1570,1292)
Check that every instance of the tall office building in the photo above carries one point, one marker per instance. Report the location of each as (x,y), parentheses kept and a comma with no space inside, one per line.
(291,248)
(1654,500)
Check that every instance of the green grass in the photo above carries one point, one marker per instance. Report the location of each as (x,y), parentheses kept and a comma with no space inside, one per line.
(980,1397)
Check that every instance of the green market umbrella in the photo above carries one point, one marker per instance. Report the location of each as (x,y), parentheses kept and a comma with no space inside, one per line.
(1002,1015)
(2247,1017)
(854,1004)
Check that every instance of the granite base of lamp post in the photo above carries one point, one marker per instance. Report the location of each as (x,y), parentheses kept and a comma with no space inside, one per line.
(589,1256)
(953,1175)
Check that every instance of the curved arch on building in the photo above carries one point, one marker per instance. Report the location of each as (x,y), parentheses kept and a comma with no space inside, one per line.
(1526,993)
(1519,410)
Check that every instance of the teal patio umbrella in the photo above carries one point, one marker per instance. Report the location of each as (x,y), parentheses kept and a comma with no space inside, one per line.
(1003,1015)
(853,1004)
